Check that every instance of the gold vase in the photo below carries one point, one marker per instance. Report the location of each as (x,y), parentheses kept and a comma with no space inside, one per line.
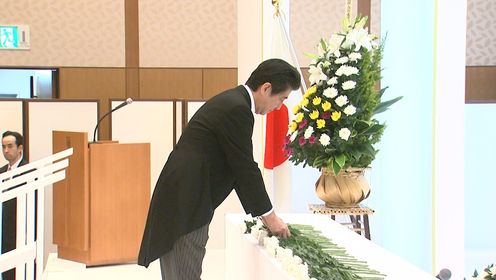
(348,188)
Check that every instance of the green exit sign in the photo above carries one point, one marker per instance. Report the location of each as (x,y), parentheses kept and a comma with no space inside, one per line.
(14,37)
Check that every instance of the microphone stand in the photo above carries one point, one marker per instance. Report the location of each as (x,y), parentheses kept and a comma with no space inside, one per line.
(128,101)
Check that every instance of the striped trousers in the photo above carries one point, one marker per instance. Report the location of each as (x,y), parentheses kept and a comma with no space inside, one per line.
(184,260)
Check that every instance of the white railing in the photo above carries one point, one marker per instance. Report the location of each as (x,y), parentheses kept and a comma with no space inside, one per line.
(21,183)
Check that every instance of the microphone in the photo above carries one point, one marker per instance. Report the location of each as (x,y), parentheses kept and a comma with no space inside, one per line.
(128,101)
(444,274)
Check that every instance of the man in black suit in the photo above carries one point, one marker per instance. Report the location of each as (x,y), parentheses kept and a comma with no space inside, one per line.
(12,148)
(213,156)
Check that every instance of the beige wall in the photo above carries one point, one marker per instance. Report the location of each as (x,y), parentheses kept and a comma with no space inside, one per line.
(195,33)
(67,33)
(312,20)
(481,33)
(172,34)
(480,85)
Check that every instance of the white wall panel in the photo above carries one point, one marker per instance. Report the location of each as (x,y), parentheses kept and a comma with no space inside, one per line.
(146,122)
(44,117)
(11,116)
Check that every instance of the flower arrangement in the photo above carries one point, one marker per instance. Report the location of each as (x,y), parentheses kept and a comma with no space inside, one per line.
(489,273)
(334,126)
(307,255)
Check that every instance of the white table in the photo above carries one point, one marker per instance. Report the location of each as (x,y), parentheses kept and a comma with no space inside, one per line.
(246,260)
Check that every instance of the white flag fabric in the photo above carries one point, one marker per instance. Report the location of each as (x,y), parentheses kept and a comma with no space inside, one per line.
(278,169)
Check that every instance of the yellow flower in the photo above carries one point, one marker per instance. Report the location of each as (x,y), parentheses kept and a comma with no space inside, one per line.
(304,102)
(310,91)
(314,114)
(320,123)
(296,109)
(335,116)
(292,127)
(316,101)
(326,106)
(299,117)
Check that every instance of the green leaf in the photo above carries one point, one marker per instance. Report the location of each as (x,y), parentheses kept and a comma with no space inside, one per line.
(310,55)
(340,160)
(361,125)
(335,167)
(323,44)
(381,92)
(383,106)
(373,129)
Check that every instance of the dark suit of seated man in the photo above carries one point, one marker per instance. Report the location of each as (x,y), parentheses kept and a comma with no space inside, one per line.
(12,148)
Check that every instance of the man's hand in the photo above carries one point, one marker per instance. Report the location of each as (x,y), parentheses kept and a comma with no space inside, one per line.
(276,226)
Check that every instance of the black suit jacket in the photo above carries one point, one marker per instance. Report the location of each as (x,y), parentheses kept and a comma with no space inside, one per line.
(213,156)
(4,168)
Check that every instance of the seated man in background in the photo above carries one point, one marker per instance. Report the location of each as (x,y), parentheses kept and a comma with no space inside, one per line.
(12,148)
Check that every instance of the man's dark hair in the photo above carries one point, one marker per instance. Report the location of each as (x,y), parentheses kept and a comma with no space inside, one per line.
(280,74)
(17,135)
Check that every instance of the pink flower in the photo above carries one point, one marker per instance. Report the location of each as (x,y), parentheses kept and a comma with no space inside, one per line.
(302,141)
(286,140)
(289,152)
(302,124)
(326,115)
(312,139)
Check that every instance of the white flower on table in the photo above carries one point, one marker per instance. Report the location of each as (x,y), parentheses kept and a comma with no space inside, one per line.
(271,244)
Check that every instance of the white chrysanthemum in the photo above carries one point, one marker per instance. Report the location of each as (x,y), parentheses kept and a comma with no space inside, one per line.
(344,133)
(293,136)
(348,85)
(341,60)
(360,38)
(350,70)
(330,92)
(346,70)
(341,100)
(316,75)
(354,56)
(349,110)
(332,81)
(308,132)
(324,140)
(337,53)
(271,244)
(297,260)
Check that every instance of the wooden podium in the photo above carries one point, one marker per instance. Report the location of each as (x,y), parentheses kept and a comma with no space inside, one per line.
(99,210)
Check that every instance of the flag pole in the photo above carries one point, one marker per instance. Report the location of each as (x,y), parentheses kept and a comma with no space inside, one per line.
(290,44)
(347,11)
